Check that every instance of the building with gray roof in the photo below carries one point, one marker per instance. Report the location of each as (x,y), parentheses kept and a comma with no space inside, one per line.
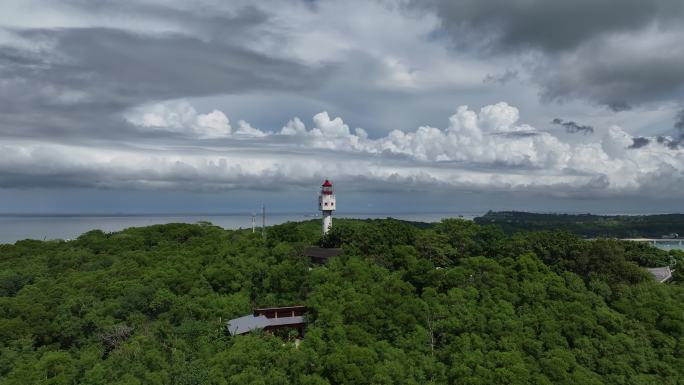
(661,274)
(269,319)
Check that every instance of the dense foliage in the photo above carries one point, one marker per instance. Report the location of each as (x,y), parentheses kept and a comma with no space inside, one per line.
(455,303)
(588,225)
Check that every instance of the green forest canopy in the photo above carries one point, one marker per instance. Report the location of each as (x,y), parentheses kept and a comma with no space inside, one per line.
(588,225)
(456,303)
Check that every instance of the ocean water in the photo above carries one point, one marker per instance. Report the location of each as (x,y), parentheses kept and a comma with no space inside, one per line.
(17,227)
(674,245)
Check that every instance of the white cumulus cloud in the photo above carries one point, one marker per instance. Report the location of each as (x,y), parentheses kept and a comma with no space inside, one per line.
(481,150)
(180,117)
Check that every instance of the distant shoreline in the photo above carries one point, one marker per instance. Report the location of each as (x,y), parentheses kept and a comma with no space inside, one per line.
(18,226)
(313,214)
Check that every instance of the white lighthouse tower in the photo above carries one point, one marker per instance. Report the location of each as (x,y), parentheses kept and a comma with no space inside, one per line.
(326,203)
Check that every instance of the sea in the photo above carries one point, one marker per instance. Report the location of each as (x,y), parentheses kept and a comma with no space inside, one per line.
(70,226)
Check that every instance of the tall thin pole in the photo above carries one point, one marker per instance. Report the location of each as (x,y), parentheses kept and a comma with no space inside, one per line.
(263,221)
(253,222)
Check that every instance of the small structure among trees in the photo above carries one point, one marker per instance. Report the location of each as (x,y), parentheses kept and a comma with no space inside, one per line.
(270,319)
(321,255)
(661,274)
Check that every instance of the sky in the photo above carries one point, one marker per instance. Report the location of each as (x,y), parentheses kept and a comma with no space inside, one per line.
(150,106)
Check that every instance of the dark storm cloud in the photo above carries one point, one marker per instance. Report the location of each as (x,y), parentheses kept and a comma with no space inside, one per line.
(549,25)
(92,74)
(639,141)
(678,140)
(679,123)
(572,128)
(577,54)
(609,74)
(671,143)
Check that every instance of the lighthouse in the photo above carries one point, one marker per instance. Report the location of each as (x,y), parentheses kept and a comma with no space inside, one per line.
(326,203)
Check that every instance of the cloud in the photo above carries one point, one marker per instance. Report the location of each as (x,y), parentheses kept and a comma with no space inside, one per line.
(180,117)
(549,26)
(81,76)
(639,141)
(679,123)
(175,96)
(213,20)
(485,150)
(615,53)
(501,78)
(618,106)
(668,141)
(572,128)
(614,70)
(678,140)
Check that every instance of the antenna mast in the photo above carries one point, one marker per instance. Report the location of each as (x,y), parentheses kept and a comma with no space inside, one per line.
(263,221)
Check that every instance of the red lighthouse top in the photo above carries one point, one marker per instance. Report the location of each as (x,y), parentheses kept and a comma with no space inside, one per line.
(327,188)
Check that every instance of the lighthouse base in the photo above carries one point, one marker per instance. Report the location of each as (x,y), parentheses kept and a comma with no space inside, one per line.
(327,221)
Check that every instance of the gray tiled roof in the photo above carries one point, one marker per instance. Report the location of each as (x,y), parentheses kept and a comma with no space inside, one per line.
(286,321)
(661,274)
(246,324)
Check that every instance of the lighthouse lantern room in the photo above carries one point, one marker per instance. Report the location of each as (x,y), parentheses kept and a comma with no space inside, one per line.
(326,203)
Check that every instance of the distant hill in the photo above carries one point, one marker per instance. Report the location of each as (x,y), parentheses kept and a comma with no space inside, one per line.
(588,225)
